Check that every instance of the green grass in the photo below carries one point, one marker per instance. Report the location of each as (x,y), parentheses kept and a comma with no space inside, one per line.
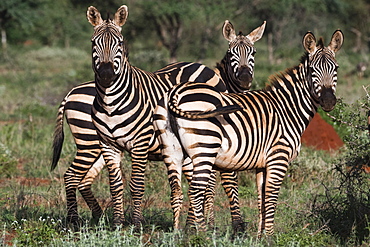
(32,199)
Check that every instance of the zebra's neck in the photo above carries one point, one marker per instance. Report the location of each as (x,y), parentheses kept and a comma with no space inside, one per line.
(291,93)
(224,70)
(121,90)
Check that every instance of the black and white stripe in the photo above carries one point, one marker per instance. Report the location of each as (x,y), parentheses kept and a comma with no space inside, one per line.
(83,169)
(258,130)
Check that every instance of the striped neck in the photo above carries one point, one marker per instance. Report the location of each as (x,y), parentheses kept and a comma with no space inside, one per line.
(291,91)
(121,87)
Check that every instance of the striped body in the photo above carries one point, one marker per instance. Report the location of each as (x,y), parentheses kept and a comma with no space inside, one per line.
(87,164)
(258,130)
(83,171)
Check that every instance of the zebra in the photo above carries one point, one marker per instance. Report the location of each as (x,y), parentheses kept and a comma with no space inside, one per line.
(83,169)
(258,130)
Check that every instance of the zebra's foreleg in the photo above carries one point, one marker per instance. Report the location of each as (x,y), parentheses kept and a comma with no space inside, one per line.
(139,157)
(261,181)
(275,174)
(112,158)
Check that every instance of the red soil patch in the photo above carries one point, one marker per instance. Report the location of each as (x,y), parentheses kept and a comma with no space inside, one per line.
(321,136)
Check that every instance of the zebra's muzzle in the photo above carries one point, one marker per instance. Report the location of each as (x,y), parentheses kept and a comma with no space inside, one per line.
(105,74)
(327,99)
(245,77)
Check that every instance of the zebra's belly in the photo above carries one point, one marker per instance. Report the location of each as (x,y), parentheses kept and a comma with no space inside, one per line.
(240,155)
(233,162)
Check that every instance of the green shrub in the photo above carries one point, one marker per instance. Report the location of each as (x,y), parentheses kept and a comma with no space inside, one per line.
(345,205)
(37,233)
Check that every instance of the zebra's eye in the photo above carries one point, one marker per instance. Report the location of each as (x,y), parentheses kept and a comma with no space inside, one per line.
(121,43)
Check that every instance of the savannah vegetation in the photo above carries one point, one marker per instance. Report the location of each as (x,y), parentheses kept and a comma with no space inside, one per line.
(45,51)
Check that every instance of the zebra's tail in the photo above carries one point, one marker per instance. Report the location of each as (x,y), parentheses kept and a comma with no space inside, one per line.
(174,108)
(58,135)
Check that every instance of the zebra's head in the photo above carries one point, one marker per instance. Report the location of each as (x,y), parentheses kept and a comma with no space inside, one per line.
(108,47)
(322,68)
(239,58)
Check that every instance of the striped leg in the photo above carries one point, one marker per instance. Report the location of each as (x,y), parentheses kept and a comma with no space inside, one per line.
(72,178)
(177,197)
(139,158)
(269,182)
(197,189)
(85,189)
(229,182)
(210,200)
(261,180)
(112,159)
(173,157)
(174,163)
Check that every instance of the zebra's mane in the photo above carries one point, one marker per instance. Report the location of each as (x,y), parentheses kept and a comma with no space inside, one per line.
(278,79)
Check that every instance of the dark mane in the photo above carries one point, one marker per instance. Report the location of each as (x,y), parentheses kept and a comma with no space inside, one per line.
(304,58)
(273,80)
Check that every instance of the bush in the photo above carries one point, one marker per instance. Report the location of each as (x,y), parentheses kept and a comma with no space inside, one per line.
(345,206)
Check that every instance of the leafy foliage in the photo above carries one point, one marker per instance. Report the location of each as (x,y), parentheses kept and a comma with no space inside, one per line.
(345,206)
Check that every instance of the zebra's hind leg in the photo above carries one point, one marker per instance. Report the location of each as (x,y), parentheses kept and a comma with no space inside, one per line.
(72,178)
(209,194)
(177,197)
(175,164)
(85,189)
(197,189)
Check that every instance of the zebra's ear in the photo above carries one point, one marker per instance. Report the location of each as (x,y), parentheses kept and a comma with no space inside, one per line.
(228,31)
(121,15)
(93,16)
(309,42)
(336,41)
(257,33)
